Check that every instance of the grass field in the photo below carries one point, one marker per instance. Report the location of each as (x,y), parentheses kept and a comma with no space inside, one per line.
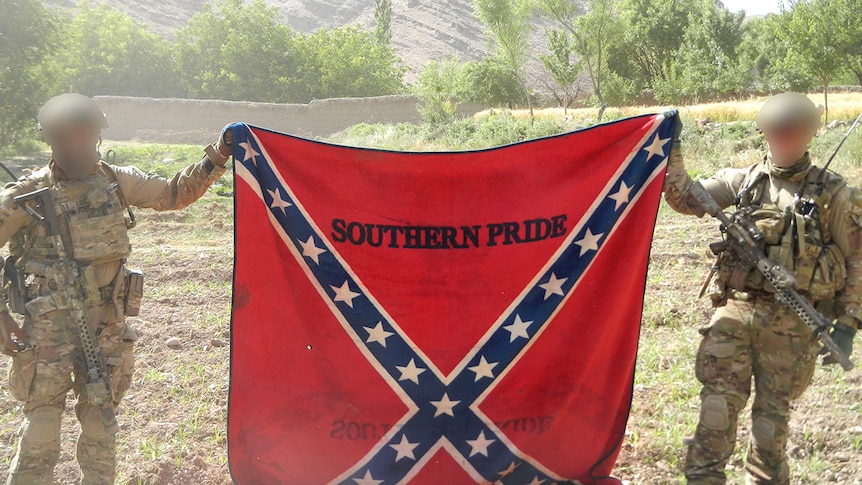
(173,419)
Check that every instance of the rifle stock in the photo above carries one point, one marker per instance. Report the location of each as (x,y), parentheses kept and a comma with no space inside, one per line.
(742,241)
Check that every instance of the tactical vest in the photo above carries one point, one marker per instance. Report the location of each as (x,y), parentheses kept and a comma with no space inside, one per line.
(92,222)
(797,236)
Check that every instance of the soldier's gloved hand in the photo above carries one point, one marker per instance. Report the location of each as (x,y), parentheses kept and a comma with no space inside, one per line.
(842,333)
(677,124)
(224,145)
(12,336)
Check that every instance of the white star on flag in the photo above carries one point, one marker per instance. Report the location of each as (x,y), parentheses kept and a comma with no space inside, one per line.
(410,372)
(277,201)
(444,405)
(589,242)
(621,196)
(656,147)
(483,368)
(367,479)
(554,286)
(250,153)
(536,481)
(310,250)
(518,328)
(344,294)
(404,448)
(480,444)
(377,334)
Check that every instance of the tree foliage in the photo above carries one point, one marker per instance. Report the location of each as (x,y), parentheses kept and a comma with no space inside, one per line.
(707,63)
(591,33)
(237,51)
(347,62)
(442,86)
(508,24)
(820,37)
(492,83)
(383,21)
(106,52)
(27,36)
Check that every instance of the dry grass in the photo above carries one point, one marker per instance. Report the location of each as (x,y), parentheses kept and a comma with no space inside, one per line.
(846,106)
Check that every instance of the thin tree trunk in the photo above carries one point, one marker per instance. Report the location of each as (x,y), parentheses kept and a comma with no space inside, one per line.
(825,103)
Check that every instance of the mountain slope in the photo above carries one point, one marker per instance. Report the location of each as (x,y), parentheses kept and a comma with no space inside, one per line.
(421,30)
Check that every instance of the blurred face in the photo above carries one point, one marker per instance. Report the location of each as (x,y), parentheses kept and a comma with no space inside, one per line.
(787,143)
(75,148)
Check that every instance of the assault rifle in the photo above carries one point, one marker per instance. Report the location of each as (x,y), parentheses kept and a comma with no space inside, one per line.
(741,240)
(70,280)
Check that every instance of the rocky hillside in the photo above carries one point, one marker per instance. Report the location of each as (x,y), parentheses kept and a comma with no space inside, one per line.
(422,30)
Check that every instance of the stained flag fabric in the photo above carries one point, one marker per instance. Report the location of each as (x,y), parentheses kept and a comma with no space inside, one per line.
(430,318)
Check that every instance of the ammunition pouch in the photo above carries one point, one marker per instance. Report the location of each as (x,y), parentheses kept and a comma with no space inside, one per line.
(98,228)
(824,276)
(44,281)
(14,288)
(134,292)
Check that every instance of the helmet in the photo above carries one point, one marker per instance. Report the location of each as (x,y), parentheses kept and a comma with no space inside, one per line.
(70,109)
(789,109)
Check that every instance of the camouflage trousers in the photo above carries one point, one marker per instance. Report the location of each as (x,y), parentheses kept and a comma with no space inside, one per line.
(42,377)
(763,340)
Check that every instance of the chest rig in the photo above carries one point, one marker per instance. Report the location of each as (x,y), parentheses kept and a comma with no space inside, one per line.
(795,234)
(92,221)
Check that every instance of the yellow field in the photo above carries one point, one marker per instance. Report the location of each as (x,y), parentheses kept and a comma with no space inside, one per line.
(844,106)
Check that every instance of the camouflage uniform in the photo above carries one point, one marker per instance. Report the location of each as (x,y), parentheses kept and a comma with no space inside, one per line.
(53,363)
(751,334)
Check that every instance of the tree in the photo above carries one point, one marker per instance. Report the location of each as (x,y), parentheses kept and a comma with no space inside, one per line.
(563,68)
(651,35)
(850,29)
(492,83)
(442,86)
(508,23)
(107,52)
(238,51)
(707,63)
(817,41)
(28,33)
(383,18)
(347,62)
(591,33)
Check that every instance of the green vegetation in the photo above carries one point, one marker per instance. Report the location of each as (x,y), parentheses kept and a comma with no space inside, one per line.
(97,50)
(601,53)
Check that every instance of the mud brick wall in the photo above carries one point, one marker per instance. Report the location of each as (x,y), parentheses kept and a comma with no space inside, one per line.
(169,120)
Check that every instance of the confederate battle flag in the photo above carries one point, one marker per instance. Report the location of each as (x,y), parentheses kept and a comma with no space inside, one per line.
(439,318)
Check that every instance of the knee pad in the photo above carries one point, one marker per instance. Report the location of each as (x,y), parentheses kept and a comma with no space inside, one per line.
(714,413)
(763,432)
(43,425)
(92,425)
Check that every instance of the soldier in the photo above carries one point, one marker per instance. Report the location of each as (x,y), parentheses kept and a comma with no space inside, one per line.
(91,198)
(751,334)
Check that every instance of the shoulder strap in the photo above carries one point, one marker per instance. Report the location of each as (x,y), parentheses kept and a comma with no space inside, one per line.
(108,171)
(755,176)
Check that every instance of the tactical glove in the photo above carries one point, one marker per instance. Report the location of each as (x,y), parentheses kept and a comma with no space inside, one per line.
(11,335)
(225,142)
(677,124)
(842,333)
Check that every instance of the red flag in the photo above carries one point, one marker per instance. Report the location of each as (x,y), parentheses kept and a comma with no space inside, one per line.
(415,317)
